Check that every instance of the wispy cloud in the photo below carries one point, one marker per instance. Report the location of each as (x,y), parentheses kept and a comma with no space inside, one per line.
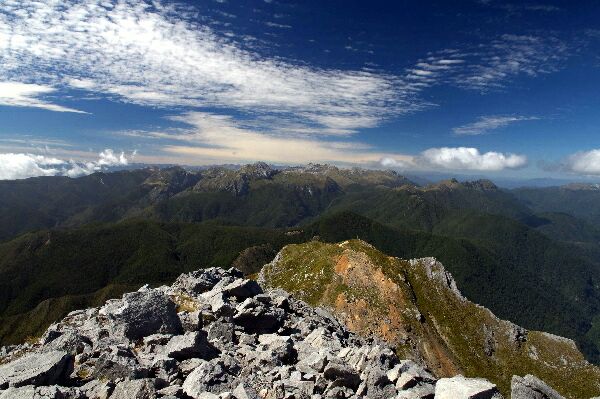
(520,6)
(24,165)
(489,66)
(262,107)
(16,94)
(277,25)
(218,138)
(95,45)
(485,124)
(511,56)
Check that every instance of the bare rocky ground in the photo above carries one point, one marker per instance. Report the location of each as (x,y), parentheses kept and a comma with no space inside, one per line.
(214,334)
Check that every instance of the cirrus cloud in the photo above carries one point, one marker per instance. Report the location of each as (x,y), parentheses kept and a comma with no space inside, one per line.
(17,94)
(487,123)
(95,45)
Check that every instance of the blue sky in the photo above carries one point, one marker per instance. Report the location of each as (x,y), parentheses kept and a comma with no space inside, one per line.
(476,86)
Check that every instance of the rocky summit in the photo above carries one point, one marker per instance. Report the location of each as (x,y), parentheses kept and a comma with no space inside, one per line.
(214,334)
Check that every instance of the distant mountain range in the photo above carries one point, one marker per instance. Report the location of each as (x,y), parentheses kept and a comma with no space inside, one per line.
(530,255)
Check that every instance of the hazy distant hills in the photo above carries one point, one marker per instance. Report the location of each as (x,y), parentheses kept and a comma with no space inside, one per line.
(529,255)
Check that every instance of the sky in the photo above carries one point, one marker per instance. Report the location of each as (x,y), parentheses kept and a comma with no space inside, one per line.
(503,89)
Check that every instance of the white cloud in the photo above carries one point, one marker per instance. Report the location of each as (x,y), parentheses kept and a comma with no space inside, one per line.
(219,138)
(510,56)
(21,166)
(157,54)
(393,163)
(463,158)
(27,95)
(585,162)
(487,123)
(97,45)
(109,158)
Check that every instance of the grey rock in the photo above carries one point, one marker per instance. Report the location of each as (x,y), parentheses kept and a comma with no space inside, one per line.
(157,339)
(313,362)
(219,303)
(321,338)
(342,374)
(45,392)
(217,375)
(199,282)
(70,341)
(255,317)
(424,391)
(171,390)
(279,348)
(135,389)
(36,369)
(460,387)
(394,373)
(118,363)
(143,313)
(412,374)
(242,289)
(243,391)
(191,344)
(300,389)
(187,366)
(221,331)
(191,321)
(98,389)
(531,387)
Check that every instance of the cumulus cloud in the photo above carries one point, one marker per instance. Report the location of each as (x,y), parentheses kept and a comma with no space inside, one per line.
(28,95)
(487,123)
(464,158)
(585,162)
(21,166)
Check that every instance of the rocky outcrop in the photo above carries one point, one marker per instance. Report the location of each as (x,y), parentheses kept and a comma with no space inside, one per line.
(214,334)
(468,388)
(531,387)
(416,306)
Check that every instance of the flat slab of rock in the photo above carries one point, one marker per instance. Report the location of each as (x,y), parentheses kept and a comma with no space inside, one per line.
(190,345)
(35,369)
(243,289)
(531,387)
(460,387)
(135,389)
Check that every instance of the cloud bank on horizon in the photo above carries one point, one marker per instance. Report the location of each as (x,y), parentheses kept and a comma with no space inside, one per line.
(229,102)
(22,166)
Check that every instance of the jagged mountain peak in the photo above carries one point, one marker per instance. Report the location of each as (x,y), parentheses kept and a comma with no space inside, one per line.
(453,184)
